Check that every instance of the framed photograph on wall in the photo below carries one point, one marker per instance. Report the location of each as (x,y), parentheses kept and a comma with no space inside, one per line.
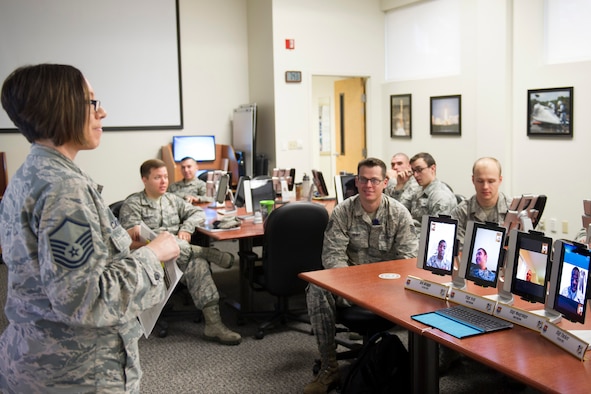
(446,115)
(550,112)
(400,116)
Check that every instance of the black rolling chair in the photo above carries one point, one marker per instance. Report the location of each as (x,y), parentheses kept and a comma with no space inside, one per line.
(180,305)
(293,239)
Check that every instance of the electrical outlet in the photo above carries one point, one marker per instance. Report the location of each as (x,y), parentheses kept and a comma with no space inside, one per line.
(565,227)
(292,145)
(542,225)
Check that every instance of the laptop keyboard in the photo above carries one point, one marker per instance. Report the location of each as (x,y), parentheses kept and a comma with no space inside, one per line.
(473,318)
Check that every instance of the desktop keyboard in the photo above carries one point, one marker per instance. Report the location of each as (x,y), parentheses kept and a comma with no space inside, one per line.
(475,319)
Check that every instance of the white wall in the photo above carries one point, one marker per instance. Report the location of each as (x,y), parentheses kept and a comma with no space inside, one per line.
(332,37)
(214,58)
(502,57)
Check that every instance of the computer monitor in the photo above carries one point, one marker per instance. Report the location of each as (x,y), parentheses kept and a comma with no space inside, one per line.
(345,187)
(239,199)
(199,147)
(569,281)
(528,265)
(437,244)
(261,189)
(318,179)
(483,253)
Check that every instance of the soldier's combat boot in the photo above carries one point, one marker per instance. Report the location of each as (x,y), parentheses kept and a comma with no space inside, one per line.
(215,330)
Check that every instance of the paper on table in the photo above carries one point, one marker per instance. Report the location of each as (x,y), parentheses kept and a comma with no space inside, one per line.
(172,275)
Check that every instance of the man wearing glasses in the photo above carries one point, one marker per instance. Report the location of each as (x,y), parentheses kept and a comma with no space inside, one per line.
(365,228)
(434,198)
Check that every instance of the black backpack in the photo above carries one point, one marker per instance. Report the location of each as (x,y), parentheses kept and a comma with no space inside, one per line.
(383,366)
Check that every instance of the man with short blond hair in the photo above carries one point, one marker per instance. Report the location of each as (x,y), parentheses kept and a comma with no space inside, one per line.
(488,204)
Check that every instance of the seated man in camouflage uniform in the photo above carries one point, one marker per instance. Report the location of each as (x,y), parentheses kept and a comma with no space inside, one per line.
(402,186)
(190,187)
(488,204)
(434,197)
(162,211)
(365,228)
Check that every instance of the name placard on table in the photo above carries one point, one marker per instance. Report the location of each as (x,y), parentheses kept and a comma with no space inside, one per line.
(473,301)
(527,319)
(564,339)
(424,286)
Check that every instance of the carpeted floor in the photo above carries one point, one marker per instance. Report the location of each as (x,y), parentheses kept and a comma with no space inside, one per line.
(281,362)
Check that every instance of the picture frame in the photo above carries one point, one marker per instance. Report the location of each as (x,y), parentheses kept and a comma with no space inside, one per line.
(400,116)
(446,115)
(550,112)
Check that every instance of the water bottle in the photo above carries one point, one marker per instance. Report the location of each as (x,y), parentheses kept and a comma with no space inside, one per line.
(305,186)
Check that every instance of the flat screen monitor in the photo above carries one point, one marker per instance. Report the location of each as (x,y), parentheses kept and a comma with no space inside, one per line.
(528,265)
(319,183)
(569,281)
(199,147)
(239,196)
(261,189)
(437,244)
(483,253)
(344,187)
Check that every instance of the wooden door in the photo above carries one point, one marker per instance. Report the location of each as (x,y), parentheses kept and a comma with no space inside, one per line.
(350,124)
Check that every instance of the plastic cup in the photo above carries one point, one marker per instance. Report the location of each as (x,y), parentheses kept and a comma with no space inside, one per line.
(266,207)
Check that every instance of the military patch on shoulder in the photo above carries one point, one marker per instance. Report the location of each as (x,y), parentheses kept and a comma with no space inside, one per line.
(71,244)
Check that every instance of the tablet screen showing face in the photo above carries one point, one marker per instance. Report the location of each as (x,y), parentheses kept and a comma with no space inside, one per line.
(437,245)
(531,266)
(573,275)
(485,254)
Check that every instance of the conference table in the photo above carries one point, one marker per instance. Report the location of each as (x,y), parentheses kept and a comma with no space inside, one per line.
(518,352)
(248,235)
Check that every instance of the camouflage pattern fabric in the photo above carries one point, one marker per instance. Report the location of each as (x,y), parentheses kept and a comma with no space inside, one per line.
(195,187)
(353,238)
(74,288)
(407,194)
(173,214)
(470,210)
(435,199)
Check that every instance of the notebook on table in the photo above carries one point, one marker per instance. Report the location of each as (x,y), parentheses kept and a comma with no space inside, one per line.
(461,321)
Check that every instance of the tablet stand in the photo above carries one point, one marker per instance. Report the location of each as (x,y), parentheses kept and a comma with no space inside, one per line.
(456,281)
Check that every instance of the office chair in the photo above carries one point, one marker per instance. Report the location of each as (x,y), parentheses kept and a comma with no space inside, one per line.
(292,243)
(180,305)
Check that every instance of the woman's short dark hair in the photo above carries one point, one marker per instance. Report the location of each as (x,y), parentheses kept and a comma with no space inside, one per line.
(48,101)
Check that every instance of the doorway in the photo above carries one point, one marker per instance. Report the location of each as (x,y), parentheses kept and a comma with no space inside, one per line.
(340,128)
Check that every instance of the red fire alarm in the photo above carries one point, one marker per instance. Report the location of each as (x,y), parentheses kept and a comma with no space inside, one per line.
(289,43)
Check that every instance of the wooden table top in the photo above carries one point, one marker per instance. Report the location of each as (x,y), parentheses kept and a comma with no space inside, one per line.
(248,229)
(518,352)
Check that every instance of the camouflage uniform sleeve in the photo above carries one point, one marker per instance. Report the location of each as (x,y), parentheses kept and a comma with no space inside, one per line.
(442,202)
(406,242)
(89,275)
(190,215)
(130,213)
(173,188)
(336,239)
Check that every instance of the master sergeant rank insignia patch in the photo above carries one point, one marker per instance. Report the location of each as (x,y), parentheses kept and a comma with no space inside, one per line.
(71,244)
